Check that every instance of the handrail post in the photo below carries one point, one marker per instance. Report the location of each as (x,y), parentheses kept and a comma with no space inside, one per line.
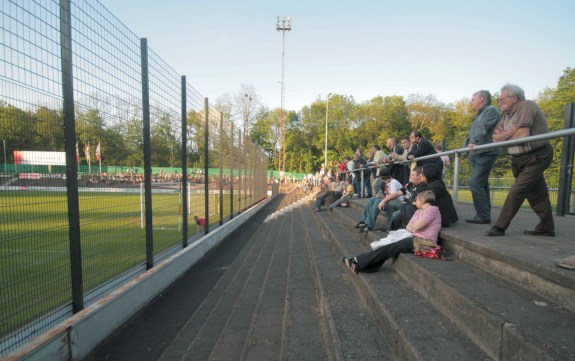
(456,179)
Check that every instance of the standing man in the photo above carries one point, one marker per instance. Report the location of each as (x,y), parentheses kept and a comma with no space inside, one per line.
(522,118)
(484,122)
(377,158)
(424,147)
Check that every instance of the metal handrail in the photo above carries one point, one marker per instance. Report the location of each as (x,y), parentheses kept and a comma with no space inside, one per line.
(457,152)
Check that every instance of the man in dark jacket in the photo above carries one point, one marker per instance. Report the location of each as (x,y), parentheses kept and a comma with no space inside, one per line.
(482,127)
(424,147)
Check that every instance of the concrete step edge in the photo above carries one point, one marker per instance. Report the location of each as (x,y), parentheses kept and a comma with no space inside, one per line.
(396,332)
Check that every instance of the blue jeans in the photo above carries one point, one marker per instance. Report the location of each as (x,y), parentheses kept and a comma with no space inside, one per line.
(479,183)
(371,210)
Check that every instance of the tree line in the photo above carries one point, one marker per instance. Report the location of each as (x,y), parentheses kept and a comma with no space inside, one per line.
(351,125)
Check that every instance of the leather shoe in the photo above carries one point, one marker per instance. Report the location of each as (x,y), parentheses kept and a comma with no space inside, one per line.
(478,221)
(495,232)
(539,233)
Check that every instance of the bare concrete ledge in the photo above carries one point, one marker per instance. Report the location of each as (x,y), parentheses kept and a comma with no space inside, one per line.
(74,338)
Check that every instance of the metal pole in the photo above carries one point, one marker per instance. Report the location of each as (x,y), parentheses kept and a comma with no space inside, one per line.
(285,26)
(147,154)
(326,117)
(206,166)
(566,171)
(71,162)
(221,168)
(5,159)
(456,180)
(184,182)
(232,164)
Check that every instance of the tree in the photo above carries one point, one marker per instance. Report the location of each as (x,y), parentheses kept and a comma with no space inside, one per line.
(49,129)
(426,113)
(244,106)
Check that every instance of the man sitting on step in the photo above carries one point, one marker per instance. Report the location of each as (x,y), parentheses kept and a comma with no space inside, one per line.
(390,203)
(415,186)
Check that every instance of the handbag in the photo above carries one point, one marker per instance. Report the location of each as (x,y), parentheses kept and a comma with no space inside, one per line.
(425,248)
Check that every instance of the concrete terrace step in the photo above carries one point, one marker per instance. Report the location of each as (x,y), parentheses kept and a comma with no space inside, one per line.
(354,331)
(272,303)
(201,333)
(411,325)
(503,317)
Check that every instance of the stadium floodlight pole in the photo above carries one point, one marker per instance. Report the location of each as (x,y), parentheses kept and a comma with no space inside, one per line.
(282,25)
(326,117)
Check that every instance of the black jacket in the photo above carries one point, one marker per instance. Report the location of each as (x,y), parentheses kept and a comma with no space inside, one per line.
(444,201)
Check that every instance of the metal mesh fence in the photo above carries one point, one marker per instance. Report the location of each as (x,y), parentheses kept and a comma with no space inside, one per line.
(92,197)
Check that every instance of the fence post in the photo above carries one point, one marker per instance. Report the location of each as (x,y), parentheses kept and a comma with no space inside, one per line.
(71,161)
(240,156)
(221,168)
(147,154)
(232,163)
(184,184)
(566,172)
(207,166)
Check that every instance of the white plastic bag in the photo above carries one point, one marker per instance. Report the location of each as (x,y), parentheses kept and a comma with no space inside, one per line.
(392,237)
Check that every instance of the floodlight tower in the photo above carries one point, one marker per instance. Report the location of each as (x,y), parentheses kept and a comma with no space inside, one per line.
(283,25)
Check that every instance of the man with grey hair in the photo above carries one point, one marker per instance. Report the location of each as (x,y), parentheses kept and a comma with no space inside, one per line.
(523,118)
(484,122)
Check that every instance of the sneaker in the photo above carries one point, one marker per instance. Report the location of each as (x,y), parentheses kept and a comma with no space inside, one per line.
(568,262)
(351,263)
(368,228)
(495,232)
(316,209)
(355,195)
(361,224)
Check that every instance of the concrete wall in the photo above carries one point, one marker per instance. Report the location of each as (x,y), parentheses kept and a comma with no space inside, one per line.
(74,338)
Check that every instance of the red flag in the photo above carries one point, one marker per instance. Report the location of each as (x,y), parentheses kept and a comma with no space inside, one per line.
(98,152)
(77,153)
(87,151)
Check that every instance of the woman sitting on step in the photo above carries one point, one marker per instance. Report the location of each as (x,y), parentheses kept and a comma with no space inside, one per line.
(424,227)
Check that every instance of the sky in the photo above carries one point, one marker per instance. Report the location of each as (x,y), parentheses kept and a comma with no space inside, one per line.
(362,49)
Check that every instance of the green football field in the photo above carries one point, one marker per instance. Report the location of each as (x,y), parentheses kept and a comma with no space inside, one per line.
(35,272)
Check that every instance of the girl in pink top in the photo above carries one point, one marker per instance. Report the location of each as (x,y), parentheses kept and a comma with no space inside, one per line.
(425,223)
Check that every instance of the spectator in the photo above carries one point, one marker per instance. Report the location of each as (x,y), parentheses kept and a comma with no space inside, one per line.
(321,195)
(424,148)
(389,203)
(399,171)
(523,118)
(424,227)
(407,148)
(346,196)
(361,172)
(444,158)
(484,122)
(350,168)
(416,185)
(376,159)
(432,176)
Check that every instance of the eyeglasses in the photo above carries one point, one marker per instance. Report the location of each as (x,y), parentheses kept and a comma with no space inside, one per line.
(502,99)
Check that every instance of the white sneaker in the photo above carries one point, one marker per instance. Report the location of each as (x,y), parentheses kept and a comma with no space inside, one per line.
(568,262)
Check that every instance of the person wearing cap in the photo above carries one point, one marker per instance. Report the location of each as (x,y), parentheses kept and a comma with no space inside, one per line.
(389,203)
